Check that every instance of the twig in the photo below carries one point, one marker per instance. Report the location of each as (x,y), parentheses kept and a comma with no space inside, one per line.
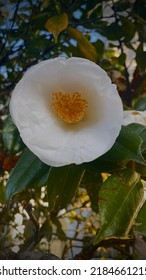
(13,21)
(88,252)
(29,210)
(15,14)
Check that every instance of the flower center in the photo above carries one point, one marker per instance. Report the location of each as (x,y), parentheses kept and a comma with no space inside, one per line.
(71,108)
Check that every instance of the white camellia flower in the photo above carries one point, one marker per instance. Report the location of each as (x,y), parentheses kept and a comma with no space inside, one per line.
(67,111)
(132,116)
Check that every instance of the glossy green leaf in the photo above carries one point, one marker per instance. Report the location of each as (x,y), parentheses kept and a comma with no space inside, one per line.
(140,130)
(122,5)
(140,222)
(113,31)
(127,147)
(62,184)
(120,198)
(102,164)
(140,104)
(99,46)
(42,181)
(92,181)
(86,48)
(123,150)
(28,172)
(11,137)
(128,27)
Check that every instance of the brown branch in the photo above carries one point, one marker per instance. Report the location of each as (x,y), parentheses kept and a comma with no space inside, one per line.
(88,252)
(29,210)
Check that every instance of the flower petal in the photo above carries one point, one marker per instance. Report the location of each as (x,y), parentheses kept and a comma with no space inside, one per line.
(132,116)
(53,141)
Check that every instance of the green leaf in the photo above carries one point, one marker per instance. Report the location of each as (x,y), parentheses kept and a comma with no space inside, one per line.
(57,24)
(102,164)
(86,48)
(140,168)
(42,181)
(122,5)
(140,104)
(92,181)
(140,130)
(140,222)
(12,138)
(140,59)
(127,147)
(128,27)
(122,59)
(120,198)
(123,150)
(99,45)
(113,31)
(28,172)
(62,184)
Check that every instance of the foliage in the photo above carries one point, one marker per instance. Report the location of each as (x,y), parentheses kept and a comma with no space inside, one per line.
(101,201)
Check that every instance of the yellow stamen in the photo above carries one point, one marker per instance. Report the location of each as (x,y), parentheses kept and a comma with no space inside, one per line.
(71,108)
(135,113)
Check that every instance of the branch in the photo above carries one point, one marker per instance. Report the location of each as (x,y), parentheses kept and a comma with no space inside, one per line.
(28,209)
(15,14)
(88,252)
(11,51)
(90,20)
(13,21)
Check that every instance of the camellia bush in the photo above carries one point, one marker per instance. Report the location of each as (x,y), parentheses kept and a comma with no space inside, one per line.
(73,129)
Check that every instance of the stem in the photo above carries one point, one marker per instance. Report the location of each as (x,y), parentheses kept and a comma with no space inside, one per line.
(88,252)
(28,209)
